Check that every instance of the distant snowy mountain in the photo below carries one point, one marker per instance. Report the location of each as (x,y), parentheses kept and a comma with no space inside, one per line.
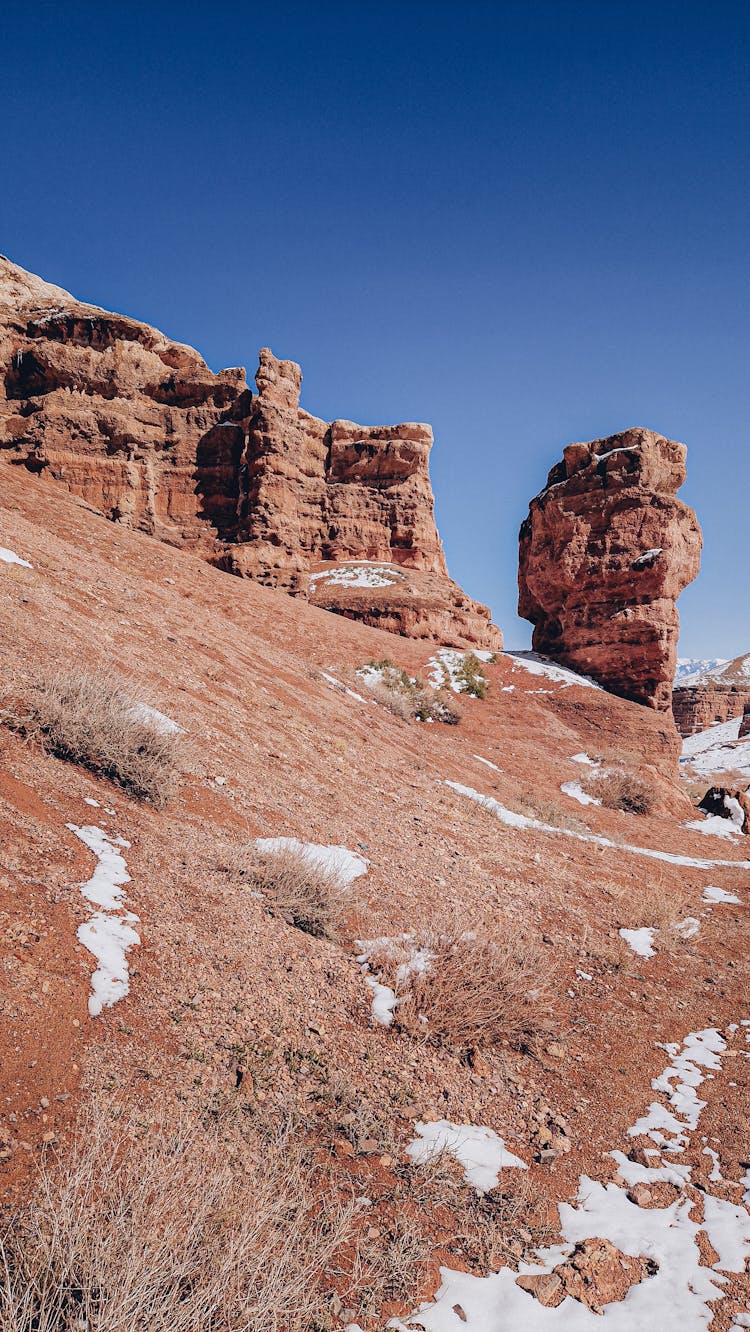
(691,669)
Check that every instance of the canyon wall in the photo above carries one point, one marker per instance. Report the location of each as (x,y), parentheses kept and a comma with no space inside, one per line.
(141,429)
(604,553)
(715,696)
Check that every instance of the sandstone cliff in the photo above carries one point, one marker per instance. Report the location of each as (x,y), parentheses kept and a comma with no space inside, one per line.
(604,553)
(712,696)
(143,430)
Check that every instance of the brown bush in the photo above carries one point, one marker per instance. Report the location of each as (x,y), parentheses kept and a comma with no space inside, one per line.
(94,721)
(166,1234)
(310,896)
(408,697)
(478,992)
(618,789)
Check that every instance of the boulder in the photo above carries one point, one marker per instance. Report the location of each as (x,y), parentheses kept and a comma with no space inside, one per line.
(604,553)
(728,803)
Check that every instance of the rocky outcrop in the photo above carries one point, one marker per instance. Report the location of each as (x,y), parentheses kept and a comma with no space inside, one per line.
(596,1274)
(745,723)
(712,696)
(727,802)
(604,553)
(119,413)
(140,428)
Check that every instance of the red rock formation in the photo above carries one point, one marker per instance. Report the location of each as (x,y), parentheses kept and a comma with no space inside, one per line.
(142,429)
(125,417)
(745,723)
(716,696)
(604,553)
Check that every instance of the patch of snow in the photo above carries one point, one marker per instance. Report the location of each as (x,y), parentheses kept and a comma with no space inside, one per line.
(494,766)
(10,557)
(384,1001)
(678,1295)
(351,692)
(714,825)
(538,665)
(480,1151)
(647,557)
(715,1174)
(712,894)
(584,975)
(359,573)
(339,860)
(522,821)
(576,792)
(109,933)
(143,712)
(584,758)
(717,749)
(688,927)
(89,800)
(691,670)
(444,668)
(640,941)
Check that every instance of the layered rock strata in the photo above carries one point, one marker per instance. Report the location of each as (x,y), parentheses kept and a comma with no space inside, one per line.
(604,553)
(140,428)
(715,696)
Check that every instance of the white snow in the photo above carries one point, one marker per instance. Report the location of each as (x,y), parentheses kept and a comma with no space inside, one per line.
(359,573)
(712,894)
(677,1296)
(10,557)
(691,670)
(89,800)
(641,941)
(487,762)
(351,692)
(143,712)
(513,820)
(384,1000)
(714,825)
(688,927)
(444,668)
(647,557)
(584,758)
(109,933)
(538,665)
(718,749)
(715,1174)
(339,860)
(480,1151)
(576,792)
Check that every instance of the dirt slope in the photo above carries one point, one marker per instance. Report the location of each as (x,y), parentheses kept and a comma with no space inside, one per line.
(227,1001)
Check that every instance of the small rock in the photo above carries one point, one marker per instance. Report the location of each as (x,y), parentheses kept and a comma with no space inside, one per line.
(459,1312)
(547,1288)
(545,1156)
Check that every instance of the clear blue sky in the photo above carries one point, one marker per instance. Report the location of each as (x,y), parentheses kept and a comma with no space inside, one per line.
(526,223)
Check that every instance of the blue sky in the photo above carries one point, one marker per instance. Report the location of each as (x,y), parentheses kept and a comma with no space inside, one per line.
(526,223)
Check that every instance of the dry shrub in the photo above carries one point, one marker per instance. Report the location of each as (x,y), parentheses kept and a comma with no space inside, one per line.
(479,992)
(94,721)
(619,789)
(409,697)
(166,1234)
(308,895)
(546,811)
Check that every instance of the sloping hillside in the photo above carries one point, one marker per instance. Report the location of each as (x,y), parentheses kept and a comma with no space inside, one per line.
(488,834)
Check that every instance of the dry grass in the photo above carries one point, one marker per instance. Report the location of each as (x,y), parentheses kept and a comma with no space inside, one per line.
(166,1234)
(479,992)
(547,811)
(409,697)
(306,894)
(94,721)
(617,788)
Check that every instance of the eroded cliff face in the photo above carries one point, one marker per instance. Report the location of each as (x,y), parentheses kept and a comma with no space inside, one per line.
(604,553)
(717,695)
(119,413)
(142,429)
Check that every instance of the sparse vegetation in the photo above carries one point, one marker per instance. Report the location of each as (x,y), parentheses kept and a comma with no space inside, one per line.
(470,676)
(95,721)
(170,1233)
(479,992)
(308,895)
(407,696)
(619,789)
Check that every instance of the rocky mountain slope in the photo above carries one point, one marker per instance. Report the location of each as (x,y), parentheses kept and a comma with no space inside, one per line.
(139,427)
(626,1086)
(604,553)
